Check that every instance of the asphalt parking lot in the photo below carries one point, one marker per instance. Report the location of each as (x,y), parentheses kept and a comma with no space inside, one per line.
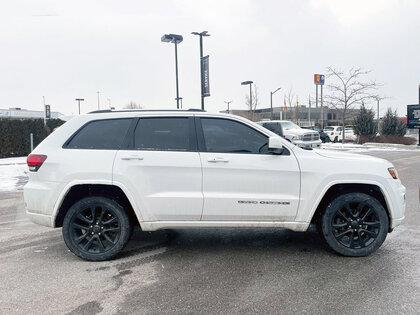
(212,271)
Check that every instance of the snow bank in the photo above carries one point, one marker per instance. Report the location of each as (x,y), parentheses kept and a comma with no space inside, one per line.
(13,173)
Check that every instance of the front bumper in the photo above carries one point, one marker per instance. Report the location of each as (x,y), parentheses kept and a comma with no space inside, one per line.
(307,144)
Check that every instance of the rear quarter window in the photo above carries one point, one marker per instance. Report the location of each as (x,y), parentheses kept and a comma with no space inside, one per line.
(106,134)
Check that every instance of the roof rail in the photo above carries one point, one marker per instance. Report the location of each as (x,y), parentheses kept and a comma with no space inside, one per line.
(145,110)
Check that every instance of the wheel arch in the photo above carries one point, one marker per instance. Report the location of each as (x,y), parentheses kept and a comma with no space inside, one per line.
(337,189)
(78,191)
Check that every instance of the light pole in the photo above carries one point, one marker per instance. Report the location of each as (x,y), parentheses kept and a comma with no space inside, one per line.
(45,116)
(201,34)
(271,102)
(175,39)
(79,100)
(98,100)
(228,102)
(250,94)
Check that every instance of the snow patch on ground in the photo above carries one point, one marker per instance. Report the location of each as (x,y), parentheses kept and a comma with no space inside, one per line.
(13,173)
(353,147)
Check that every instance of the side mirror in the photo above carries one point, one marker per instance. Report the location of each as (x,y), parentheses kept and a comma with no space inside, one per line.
(275,145)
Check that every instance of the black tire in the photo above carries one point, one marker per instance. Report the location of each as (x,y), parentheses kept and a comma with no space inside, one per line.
(96,228)
(326,140)
(355,224)
(335,139)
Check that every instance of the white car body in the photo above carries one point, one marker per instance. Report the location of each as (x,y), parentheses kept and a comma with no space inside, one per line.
(303,138)
(349,133)
(335,133)
(174,189)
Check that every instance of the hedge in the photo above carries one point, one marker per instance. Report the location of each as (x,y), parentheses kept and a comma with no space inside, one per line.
(15,134)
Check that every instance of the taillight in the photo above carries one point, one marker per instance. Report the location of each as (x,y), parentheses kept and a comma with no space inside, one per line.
(332,133)
(35,161)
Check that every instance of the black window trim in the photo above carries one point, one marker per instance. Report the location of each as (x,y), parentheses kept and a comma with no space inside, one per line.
(66,144)
(191,134)
(202,143)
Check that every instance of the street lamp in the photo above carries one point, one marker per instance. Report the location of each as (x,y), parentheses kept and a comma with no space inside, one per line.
(271,102)
(98,100)
(250,91)
(201,34)
(175,39)
(79,100)
(228,102)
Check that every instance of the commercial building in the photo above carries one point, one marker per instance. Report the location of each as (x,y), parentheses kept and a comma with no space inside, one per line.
(20,113)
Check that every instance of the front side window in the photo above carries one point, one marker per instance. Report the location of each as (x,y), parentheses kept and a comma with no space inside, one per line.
(228,136)
(107,134)
(162,134)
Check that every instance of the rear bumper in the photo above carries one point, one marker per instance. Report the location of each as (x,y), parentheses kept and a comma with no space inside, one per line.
(41,219)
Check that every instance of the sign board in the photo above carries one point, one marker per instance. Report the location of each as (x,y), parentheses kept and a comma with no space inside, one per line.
(413,116)
(319,79)
(205,79)
(47,111)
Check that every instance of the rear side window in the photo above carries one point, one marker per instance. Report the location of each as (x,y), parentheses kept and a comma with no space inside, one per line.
(274,127)
(107,134)
(162,134)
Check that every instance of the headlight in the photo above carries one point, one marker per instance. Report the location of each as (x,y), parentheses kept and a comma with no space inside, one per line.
(393,172)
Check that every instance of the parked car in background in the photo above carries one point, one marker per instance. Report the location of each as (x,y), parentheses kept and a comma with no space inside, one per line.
(349,133)
(324,137)
(335,133)
(292,132)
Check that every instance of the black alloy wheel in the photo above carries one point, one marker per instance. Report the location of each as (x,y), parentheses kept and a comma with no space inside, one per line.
(355,224)
(96,228)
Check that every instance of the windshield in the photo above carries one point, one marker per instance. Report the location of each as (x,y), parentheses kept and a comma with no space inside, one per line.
(289,125)
(329,128)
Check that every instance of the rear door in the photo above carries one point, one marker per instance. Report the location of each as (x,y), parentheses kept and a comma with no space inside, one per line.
(162,169)
(241,180)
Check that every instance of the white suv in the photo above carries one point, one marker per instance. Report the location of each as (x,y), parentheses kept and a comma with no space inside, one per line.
(101,173)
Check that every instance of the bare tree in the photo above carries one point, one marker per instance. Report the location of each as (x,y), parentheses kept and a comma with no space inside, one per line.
(133,105)
(348,90)
(252,104)
(290,96)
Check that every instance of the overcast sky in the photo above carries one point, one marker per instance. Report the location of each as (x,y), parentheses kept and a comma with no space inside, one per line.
(69,49)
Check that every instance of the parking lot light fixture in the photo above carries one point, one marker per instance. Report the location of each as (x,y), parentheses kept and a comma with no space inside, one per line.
(250,91)
(271,102)
(175,39)
(79,100)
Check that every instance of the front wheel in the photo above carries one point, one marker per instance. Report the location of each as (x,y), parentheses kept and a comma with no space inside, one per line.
(355,224)
(96,228)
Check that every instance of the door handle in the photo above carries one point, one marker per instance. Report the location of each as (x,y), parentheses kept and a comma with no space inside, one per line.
(132,157)
(217,160)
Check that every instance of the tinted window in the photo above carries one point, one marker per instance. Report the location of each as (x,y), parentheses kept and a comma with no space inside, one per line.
(101,134)
(340,129)
(274,127)
(223,135)
(162,134)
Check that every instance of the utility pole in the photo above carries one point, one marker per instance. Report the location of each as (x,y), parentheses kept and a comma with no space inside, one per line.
(175,39)
(201,34)
(45,114)
(271,102)
(228,102)
(79,100)
(322,110)
(98,100)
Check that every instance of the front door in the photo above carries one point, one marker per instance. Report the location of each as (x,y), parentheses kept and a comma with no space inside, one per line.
(242,181)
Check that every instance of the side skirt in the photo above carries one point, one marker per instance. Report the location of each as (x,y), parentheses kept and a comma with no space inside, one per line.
(160,225)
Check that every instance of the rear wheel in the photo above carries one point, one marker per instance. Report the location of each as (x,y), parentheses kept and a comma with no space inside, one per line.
(355,224)
(96,228)
(336,139)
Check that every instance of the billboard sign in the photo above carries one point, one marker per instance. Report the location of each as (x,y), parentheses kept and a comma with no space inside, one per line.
(47,111)
(413,116)
(205,79)
(319,79)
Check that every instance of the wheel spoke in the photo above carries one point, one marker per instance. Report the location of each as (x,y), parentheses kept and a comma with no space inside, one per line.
(368,232)
(361,240)
(93,214)
(88,244)
(348,208)
(77,240)
(342,215)
(81,227)
(340,235)
(111,229)
(351,240)
(114,219)
(103,210)
(339,225)
(101,245)
(108,239)
(367,214)
(360,208)
(83,218)
(373,224)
